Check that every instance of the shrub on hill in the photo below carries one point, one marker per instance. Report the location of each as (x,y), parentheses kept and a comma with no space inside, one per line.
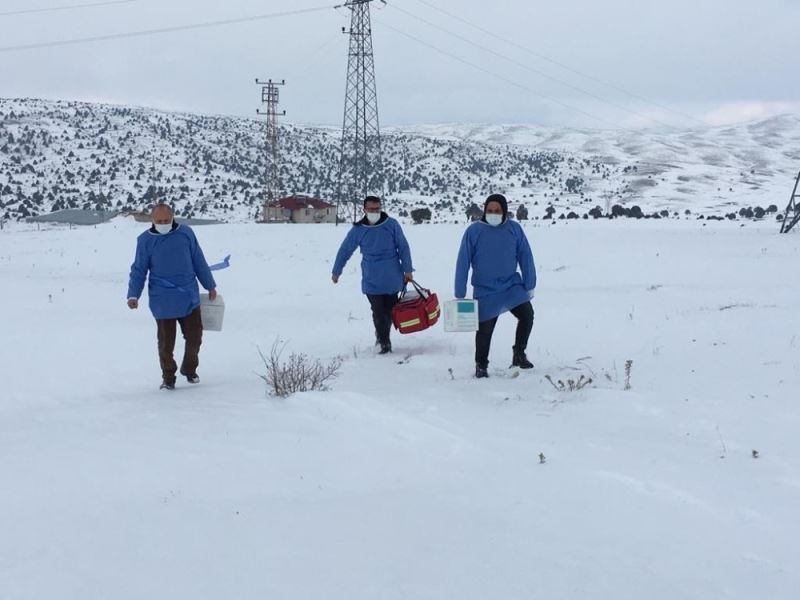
(418,215)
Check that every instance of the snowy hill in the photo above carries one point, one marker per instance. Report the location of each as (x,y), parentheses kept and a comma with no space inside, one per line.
(57,155)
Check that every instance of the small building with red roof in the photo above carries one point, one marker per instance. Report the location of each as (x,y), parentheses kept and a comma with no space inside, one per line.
(299,208)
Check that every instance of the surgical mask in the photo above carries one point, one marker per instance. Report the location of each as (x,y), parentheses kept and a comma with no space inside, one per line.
(493,219)
(373,217)
(163,227)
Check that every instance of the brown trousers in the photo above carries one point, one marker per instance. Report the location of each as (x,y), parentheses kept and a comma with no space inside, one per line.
(192,330)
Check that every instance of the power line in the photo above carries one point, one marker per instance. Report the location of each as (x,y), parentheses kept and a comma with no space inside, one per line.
(527,67)
(309,60)
(565,66)
(501,77)
(27,11)
(146,32)
(517,84)
(710,143)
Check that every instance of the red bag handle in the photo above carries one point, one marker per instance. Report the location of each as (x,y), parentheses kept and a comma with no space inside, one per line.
(423,293)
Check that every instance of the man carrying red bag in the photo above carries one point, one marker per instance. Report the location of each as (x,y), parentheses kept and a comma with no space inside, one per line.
(385,264)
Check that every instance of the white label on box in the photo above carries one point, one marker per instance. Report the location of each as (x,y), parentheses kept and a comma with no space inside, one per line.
(461,315)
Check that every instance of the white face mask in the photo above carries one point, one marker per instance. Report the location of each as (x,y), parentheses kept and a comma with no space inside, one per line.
(163,227)
(495,220)
(373,217)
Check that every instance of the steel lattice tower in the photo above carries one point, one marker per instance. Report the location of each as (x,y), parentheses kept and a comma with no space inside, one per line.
(270,97)
(360,166)
(792,215)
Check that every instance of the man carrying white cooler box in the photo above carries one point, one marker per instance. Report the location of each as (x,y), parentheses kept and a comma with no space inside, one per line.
(170,260)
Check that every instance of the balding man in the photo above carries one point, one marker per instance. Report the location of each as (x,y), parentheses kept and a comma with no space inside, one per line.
(171,255)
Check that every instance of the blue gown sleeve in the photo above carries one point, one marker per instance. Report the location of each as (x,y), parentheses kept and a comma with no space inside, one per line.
(346,250)
(525,260)
(201,270)
(462,265)
(139,269)
(403,249)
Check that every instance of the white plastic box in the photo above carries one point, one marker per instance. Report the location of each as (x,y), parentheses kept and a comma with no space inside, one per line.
(461,315)
(212,312)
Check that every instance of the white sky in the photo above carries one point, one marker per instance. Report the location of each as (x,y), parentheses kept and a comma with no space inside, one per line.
(718,61)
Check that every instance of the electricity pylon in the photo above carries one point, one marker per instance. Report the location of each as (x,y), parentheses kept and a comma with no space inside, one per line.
(360,165)
(792,215)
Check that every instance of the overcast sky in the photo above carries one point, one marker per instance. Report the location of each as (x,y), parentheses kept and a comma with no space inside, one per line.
(584,63)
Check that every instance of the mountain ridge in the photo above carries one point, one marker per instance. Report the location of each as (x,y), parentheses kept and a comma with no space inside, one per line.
(67,154)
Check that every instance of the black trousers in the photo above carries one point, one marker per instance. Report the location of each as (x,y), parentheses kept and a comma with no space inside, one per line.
(483,337)
(382,305)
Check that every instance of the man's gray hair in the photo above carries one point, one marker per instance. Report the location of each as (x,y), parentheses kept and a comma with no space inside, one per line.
(163,206)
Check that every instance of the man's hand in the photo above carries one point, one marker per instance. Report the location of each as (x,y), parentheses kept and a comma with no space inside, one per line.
(407,277)
(212,294)
(133,303)
(335,278)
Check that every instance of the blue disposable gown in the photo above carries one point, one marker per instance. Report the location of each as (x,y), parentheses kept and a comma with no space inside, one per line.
(174,262)
(494,253)
(385,255)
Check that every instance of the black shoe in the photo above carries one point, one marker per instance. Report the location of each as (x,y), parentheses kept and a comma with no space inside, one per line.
(481,372)
(191,378)
(385,348)
(520,360)
(167,386)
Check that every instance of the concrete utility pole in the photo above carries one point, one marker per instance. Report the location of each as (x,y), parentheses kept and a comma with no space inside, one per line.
(270,97)
(361,165)
(792,215)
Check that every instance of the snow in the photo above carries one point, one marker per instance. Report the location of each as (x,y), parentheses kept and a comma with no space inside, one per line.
(407,480)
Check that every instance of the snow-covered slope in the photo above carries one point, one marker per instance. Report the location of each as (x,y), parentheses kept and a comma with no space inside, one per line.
(72,155)
(707,169)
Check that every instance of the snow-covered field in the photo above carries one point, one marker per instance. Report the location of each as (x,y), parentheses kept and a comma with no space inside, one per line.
(407,480)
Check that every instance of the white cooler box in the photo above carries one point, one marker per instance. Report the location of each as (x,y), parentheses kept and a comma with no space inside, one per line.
(212,312)
(461,315)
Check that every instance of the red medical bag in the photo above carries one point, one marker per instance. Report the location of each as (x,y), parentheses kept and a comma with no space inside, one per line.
(416,313)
